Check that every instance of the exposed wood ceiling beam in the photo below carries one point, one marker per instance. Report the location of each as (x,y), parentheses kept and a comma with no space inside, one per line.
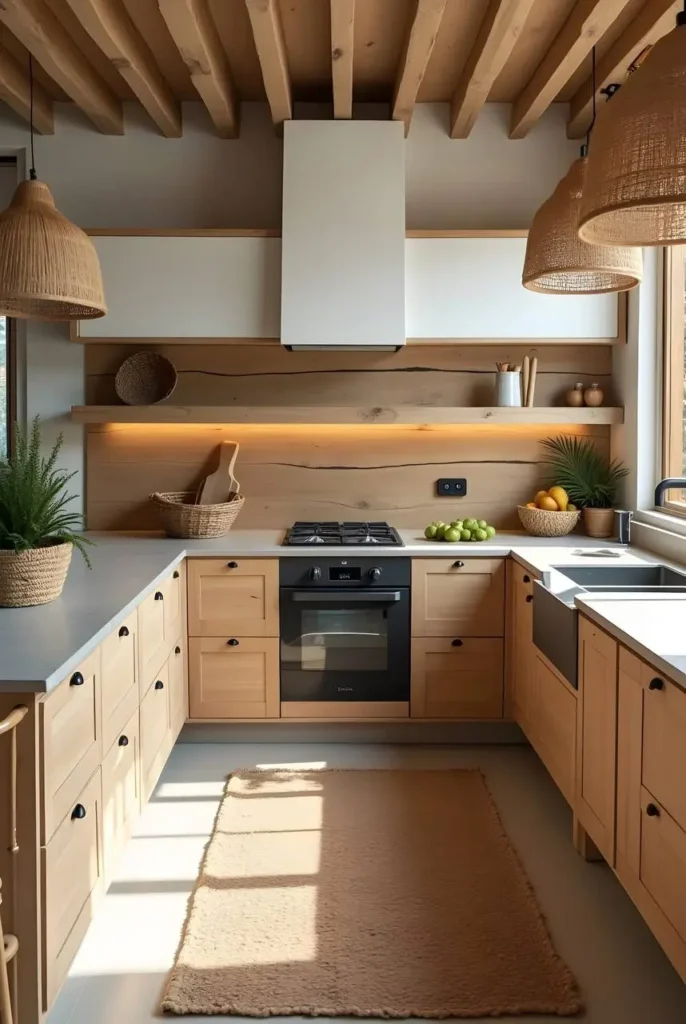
(651,22)
(14,90)
(495,41)
(588,21)
(418,46)
(193,30)
(109,26)
(42,34)
(267,31)
(342,47)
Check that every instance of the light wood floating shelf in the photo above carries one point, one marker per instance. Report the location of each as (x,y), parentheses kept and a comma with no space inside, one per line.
(315,414)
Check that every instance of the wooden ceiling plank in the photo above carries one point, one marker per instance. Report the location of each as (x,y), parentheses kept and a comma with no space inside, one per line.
(417,52)
(14,90)
(193,30)
(265,20)
(110,27)
(42,34)
(651,22)
(588,21)
(498,34)
(342,52)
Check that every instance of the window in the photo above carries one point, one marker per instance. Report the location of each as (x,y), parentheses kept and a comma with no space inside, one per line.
(674,427)
(7,413)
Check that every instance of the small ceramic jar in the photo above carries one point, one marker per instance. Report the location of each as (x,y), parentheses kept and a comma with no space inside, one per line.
(594,395)
(575,395)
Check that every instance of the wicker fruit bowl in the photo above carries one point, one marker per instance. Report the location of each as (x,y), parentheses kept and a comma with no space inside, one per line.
(181,517)
(540,523)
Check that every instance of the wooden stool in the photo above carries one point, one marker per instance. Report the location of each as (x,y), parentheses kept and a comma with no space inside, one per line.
(9,944)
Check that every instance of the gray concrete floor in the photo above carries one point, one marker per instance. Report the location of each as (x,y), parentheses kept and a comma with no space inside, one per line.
(120,970)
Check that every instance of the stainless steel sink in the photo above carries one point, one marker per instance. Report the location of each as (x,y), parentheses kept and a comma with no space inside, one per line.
(617,577)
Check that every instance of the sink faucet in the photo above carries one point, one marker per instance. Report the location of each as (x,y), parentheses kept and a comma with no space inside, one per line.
(666,485)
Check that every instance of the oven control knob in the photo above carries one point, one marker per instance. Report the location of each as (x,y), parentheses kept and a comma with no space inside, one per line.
(375,573)
(315,573)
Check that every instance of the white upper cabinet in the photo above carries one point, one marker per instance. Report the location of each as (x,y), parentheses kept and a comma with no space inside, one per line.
(472,288)
(188,287)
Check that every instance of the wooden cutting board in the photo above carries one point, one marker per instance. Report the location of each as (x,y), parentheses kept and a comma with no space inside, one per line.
(221,485)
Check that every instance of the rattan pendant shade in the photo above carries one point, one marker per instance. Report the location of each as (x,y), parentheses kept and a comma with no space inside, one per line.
(635,189)
(49,269)
(558,262)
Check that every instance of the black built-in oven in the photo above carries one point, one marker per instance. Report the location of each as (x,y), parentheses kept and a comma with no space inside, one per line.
(345,629)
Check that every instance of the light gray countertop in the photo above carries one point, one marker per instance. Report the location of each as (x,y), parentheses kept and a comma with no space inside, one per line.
(40,646)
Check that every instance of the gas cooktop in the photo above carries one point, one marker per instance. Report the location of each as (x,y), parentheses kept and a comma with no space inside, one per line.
(343,534)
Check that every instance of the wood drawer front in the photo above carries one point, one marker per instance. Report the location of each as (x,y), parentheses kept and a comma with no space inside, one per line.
(457,682)
(458,597)
(121,798)
(553,734)
(663,861)
(72,867)
(234,681)
(521,645)
(664,744)
(151,637)
(174,590)
(70,736)
(178,685)
(119,678)
(233,597)
(155,731)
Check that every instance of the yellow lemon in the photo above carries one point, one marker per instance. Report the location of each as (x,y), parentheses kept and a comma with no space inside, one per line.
(548,504)
(539,495)
(559,495)
(531,504)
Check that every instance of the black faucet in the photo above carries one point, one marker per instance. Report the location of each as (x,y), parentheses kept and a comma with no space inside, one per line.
(666,485)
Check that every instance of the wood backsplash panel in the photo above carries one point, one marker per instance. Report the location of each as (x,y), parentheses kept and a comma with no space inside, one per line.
(321,472)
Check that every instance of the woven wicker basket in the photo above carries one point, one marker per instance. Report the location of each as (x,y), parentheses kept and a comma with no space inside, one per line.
(181,517)
(33,577)
(145,378)
(547,524)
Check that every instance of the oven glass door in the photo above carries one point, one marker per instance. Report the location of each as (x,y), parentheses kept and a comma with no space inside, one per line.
(338,645)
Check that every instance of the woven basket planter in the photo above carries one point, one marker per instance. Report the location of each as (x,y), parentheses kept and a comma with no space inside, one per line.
(540,523)
(145,378)
(33,577)
(181,517)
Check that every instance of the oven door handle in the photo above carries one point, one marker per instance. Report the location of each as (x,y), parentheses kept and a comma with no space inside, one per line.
(342,597)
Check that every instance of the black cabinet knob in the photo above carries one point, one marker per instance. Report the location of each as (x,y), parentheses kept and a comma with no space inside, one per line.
(159,596)
(232,643)
(526,579)
(529,598)
(124,631)
(457,643)
(176,574)
(652,811)
(458,565)
(177,650)
(232,565)
(656,684)
(159,685)
(76,679)
(79,812)
(123,741)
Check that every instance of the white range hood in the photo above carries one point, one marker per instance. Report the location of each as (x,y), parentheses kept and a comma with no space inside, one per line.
(343,235)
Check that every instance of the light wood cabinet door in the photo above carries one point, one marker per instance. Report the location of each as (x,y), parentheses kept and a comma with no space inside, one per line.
(72,880)
(71,740)
(234,679)
(174,590)
(663,861)
(178,686)
(521,647)
(664,743)
(233,597)
(552,717)
(121,797)
(119,679)
(155,731)
(151,638)
(597,736)
(458,597)
(457,681)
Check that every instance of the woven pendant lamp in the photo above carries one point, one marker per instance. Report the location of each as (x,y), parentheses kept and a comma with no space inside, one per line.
(558,262)
(49,269)
(635,188)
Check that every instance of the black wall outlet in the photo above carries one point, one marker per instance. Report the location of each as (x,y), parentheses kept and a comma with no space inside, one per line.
(451,487)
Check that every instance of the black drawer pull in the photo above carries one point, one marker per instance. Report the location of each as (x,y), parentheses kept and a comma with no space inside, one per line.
(76,679)
(177,650)
(123,741)
(124,631)
(159,596)
(458,565)
(456,643)
(232,643)
(232,565)
(526,579)
(529,598)
(79,812)
(159,685)
(656,684)
(652,811)
(175,574)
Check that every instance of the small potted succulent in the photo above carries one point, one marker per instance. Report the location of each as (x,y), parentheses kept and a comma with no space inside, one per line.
(37,534)
(589,478)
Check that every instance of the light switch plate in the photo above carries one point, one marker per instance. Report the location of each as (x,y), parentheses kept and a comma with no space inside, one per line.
(451,487)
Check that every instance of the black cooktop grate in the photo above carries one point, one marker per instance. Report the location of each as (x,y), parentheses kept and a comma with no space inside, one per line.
(303,534)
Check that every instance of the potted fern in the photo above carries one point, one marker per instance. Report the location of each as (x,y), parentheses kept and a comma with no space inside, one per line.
(37,533)
(589,478)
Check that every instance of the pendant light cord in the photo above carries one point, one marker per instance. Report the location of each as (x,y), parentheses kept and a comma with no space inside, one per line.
(32,171)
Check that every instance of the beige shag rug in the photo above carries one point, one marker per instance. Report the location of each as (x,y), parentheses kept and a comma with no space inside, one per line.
(364,893)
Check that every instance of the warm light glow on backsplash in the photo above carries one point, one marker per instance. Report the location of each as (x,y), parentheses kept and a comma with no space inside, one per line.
(373,431)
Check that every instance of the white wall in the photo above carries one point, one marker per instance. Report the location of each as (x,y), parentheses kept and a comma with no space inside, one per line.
(144,180)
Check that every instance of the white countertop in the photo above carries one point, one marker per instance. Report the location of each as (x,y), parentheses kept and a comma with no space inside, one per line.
(40,646)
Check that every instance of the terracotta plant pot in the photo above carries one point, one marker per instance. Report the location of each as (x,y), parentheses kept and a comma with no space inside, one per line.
(599,522)
(33,577)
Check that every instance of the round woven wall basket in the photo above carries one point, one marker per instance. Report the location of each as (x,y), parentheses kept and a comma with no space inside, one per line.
(145,378)
(33,577)
(540,523)
(181,517)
